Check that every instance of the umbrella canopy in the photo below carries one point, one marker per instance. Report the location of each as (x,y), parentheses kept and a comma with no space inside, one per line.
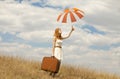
(73,14)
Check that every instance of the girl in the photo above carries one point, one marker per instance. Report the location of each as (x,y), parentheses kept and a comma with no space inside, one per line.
(57,45)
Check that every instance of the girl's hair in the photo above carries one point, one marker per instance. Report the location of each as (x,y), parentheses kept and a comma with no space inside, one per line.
(57,34)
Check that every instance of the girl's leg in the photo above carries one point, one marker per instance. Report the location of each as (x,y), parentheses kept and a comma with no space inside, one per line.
(51,73)
(54,73)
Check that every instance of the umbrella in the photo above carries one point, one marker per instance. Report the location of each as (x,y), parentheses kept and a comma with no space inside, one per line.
(71,15)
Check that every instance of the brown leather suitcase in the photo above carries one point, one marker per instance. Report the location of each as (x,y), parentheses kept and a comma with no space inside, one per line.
(50,64)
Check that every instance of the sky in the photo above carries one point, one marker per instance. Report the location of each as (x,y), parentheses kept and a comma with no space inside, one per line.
(27,28)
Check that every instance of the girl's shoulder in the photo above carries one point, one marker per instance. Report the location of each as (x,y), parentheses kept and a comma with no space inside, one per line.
(55,38)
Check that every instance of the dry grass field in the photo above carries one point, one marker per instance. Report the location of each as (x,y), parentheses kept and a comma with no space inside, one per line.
(16,68)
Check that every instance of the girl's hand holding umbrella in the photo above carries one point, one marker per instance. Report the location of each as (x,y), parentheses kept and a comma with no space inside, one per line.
(72,28)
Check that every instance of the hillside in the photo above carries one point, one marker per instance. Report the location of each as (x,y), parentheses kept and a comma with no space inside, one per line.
(16,68)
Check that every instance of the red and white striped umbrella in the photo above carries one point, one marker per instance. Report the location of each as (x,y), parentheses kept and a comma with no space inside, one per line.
(71,15)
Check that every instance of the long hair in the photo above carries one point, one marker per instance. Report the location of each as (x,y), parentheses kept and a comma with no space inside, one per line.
(57,34)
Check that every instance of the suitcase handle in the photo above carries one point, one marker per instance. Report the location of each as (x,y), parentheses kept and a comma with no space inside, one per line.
(52,56)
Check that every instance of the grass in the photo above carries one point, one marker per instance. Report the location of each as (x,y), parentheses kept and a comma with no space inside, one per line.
(16,68)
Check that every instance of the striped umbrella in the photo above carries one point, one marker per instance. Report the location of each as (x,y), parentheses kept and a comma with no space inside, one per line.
(71,15)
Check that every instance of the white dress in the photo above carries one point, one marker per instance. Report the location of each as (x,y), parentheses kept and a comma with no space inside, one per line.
(58,51)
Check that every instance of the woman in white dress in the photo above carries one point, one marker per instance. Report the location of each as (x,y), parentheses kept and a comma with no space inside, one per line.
(57,45)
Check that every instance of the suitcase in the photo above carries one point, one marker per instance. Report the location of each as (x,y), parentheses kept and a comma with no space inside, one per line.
(50,64)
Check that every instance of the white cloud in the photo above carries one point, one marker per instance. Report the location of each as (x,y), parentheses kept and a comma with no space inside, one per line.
(105,15)
(80,38)
(25,18)
(41,36)
(0,39)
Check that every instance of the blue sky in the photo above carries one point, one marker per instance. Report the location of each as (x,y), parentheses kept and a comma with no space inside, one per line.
(27,27)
